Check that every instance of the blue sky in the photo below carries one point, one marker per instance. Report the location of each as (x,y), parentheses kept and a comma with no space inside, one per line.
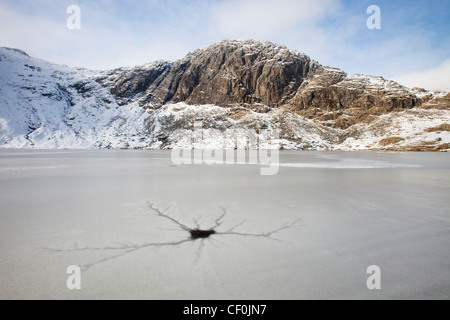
(413,45)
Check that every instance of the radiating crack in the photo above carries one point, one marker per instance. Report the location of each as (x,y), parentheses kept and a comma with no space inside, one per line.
(268,235)
(193,235)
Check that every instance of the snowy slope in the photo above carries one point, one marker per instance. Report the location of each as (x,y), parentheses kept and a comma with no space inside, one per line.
(409,130)
(234,128)
(43,105)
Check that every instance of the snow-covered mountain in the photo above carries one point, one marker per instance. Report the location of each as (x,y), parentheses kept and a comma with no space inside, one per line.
(43,105)
(231,86)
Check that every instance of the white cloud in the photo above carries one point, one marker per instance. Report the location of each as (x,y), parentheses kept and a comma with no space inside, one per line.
(94,46)
(433,79)
(263,19)
(24,32)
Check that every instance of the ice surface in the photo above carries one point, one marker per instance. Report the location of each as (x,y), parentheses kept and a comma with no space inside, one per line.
(91,209)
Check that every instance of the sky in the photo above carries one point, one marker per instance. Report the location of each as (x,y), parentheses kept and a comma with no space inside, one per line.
(412,46)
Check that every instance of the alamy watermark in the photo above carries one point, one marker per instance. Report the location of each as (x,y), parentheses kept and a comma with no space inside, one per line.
(232,146)
(73,22)
(74,280)
(374,21)
(374,281)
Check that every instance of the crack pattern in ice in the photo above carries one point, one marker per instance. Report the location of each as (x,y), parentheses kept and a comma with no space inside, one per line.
(194,234)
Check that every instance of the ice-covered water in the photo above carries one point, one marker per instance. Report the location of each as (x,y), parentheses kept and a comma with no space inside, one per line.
(311,231)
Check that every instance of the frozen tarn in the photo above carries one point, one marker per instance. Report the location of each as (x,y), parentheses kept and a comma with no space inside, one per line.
(128,218)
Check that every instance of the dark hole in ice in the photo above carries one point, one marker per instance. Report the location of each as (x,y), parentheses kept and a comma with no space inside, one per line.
(201,234)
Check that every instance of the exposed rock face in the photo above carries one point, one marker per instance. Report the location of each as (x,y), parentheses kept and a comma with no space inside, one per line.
(227,73)
(340,100)
(261,76)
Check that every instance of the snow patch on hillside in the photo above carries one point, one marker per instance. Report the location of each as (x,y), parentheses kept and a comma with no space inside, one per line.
(406,128)
(173,126)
